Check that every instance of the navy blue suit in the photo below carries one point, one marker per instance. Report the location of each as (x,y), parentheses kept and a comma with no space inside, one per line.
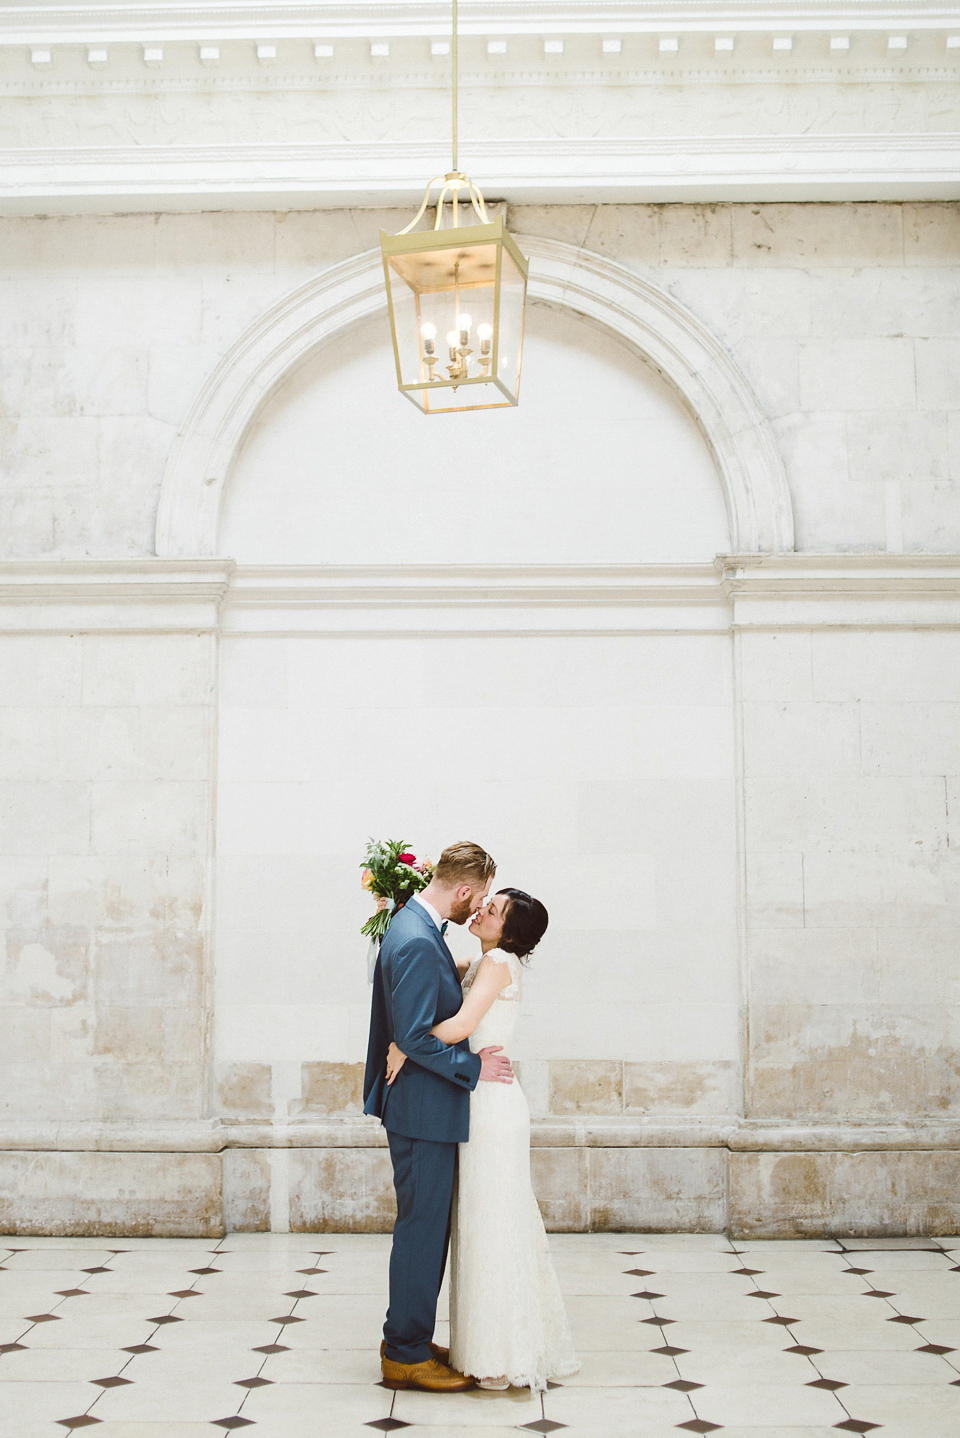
(426,1113)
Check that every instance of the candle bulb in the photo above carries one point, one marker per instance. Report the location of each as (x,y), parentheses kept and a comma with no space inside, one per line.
(464,324)
(428,333)
(484,334)
(452,342)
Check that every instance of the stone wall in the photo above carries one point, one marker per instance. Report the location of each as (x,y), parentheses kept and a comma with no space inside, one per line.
(735,784)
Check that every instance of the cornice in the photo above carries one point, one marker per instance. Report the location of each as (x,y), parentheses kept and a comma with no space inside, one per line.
(260,20)
(701,168)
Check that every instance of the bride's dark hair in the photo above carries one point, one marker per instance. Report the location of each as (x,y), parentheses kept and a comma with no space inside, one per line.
(524,923)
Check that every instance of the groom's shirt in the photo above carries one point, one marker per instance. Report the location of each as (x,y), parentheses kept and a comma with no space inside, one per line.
(425,904)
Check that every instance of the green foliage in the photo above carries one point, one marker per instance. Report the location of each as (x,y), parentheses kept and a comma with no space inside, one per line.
(393,873)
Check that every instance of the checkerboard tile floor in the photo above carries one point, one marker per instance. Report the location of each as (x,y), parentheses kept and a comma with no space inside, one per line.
(679,1333)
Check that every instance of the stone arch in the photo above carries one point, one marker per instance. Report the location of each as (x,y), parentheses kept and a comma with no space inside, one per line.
(652,323)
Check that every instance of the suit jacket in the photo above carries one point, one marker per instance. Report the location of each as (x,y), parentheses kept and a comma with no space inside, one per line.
(416,985)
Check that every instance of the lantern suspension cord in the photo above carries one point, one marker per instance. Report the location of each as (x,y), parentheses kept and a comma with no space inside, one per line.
(456,67)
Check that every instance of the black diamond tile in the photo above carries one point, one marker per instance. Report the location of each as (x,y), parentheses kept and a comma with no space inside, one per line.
(42,1318)
(631,1252)
(639,1272)
(118,1250)
(859,1271)
(762,1293)
(70,1292)
(746,1272)
(647,1293)
(206,1270)
(935,1348)
(803,1349)
(235,1422)
(185,1293)
(955,1383)
(141,1348)
(669,1351)
(111,1382)
(659,1322)
(878,1293)
(856,1425)
(551,1385)
(683,1385)
(82,1420)
(322,1253)
(253,1382)
(543,1425)
(100,1269)
(386,1425)
(287,1318)
(165,1318)
(700,1425)
(831,1384)
(777,1319)
(301,1293)
(11,1347)
(271,1348)
(313,1270)
(904,1318)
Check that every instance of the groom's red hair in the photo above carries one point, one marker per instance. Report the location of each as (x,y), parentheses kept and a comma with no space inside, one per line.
(464,863)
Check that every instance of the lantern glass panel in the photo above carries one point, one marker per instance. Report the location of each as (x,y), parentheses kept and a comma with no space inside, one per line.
(445,290)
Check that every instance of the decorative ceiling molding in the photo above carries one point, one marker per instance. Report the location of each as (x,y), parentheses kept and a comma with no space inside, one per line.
(646,319)
(703,169)
(259,20)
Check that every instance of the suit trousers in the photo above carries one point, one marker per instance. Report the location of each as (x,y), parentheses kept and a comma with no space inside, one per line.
(423,1174)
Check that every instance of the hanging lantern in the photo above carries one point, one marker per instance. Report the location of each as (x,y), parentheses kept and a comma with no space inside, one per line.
(456,296)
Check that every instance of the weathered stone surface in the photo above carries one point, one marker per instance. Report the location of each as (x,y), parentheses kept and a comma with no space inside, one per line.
(165,1195)
(330,1088)
(246,1190)
(585,1086)
(691,1088)
(244,1090)
(341,1191)
(650,1189)
(561,1182)
(802,1195)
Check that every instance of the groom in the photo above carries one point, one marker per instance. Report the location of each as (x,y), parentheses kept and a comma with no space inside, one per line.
(426,1112)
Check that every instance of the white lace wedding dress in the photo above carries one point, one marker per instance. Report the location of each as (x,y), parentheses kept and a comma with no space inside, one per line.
(506,1312)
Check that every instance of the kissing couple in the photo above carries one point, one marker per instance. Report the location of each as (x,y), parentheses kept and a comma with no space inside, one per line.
(458,1127)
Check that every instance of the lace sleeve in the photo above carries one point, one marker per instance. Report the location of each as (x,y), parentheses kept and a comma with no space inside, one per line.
(512,990)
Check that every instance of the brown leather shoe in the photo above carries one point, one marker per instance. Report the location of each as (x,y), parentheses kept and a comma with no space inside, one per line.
(442,1355)
(431,1376)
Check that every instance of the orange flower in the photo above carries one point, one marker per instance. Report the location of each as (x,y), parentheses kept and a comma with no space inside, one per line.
(366,879)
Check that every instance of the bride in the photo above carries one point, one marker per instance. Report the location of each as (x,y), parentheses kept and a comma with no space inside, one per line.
(507,1321)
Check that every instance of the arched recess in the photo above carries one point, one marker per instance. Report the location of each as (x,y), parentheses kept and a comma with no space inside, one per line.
(647,319)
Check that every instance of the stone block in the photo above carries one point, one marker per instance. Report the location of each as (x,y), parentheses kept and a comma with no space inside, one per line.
(919,965)
(111,311)
(820,235)
(159,669)
(788,737)
(829,512)
(773,368)
(26,1033)
(857,374)
(897,444)
(775,666)
(49,452)
(696,235)
(129,1035)
(910,738)
(687,1088)
(638,1190)
(931,233)
(852,1061)
(774,889)
(561,1183)
(149,816)
(161,1195)
(873,665)
(805,1195)
(938,373)
(930,513)
(585,1086)
(341,1190)
(244,1091)
(162,969)
(225,241)
(855,889)
(815,966)
(246,1191)
(871,813)
(330,1089)
(174,377)
(46,966)
(568,223)
(38,817)
(175,741)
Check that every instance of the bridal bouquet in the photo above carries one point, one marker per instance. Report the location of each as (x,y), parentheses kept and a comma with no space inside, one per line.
(392,873)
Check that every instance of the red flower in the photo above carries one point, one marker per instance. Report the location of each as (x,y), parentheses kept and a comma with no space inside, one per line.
(408,858)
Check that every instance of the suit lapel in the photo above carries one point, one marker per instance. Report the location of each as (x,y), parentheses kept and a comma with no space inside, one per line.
(435,934)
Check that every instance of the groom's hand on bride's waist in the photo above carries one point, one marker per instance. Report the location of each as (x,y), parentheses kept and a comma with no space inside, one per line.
(495,1066)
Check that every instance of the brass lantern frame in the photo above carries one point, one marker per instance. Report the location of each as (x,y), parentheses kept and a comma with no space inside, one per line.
(463,238)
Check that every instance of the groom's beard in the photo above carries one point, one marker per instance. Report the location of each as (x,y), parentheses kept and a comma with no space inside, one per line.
(461,911)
